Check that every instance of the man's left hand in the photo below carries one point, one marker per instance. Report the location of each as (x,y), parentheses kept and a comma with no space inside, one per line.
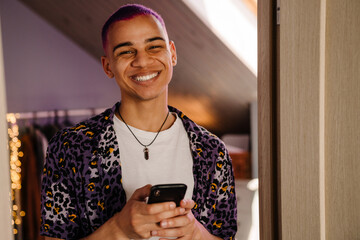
(184,227)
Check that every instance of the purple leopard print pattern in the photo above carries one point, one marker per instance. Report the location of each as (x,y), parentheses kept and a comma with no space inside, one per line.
(81,182)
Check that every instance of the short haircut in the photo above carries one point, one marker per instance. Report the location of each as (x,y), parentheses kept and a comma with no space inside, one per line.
(127,12)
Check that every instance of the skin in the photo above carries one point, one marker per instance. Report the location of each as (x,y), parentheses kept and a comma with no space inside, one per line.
(140,47)
(136,48)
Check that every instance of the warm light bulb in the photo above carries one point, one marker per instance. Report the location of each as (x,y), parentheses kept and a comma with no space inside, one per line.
(15,164)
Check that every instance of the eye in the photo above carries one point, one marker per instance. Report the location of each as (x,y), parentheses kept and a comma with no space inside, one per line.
(127,52)
(124,52)
(155,47)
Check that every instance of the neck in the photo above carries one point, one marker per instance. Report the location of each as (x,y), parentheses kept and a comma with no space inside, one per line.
(146,115)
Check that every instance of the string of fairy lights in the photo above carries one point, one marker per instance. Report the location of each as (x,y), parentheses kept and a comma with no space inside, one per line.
(15,172)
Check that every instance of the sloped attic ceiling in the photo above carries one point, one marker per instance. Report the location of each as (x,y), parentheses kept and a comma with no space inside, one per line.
(210,84)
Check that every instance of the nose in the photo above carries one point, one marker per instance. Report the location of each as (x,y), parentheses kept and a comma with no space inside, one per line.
(142,59)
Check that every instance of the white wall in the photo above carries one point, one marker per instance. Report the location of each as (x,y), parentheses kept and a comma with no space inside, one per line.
(44,70)
(5,206)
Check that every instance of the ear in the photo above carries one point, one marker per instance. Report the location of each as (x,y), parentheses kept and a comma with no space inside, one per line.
(173,53)
(106,66)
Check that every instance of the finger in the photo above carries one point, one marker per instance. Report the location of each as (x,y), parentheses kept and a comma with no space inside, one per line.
(162,216)
(141,193)
(179,221)
(171,232)
(156,208)
(179,238)
(187,203)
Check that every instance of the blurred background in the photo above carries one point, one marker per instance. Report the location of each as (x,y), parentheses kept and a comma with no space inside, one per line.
(54,78)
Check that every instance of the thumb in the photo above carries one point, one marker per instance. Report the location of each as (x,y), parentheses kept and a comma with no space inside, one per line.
(141,193)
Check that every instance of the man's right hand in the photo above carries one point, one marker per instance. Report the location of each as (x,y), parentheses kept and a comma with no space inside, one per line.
(137,219)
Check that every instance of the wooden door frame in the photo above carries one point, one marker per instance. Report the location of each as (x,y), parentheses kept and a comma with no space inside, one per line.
(269,180)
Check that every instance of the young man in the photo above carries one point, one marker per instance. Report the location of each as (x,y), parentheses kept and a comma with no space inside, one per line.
(97,174)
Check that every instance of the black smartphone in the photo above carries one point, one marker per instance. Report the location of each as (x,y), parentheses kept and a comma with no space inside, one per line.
(167,193)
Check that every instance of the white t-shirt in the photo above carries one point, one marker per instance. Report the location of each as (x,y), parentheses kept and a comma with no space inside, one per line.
(170,158)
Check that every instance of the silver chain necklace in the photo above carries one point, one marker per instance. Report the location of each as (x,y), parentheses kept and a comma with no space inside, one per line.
(146,150)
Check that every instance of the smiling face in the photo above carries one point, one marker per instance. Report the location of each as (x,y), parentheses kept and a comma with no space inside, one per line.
(140,57)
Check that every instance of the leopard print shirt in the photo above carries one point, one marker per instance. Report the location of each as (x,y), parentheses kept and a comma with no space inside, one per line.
(81,181)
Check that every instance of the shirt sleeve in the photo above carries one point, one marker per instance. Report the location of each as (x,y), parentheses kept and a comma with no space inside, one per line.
(59,214)
(221,205)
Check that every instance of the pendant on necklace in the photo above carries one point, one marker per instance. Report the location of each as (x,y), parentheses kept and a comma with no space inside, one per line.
(146,153)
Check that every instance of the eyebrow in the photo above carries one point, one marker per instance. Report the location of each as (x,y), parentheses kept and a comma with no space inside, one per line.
(125,44)
(122,45)
(154,39)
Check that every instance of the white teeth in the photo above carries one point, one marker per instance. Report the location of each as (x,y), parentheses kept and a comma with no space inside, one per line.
(145,78)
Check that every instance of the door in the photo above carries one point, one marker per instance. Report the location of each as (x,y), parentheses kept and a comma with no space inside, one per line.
(309,120)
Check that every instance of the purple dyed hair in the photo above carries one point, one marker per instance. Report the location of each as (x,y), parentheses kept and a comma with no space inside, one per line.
(127,12)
